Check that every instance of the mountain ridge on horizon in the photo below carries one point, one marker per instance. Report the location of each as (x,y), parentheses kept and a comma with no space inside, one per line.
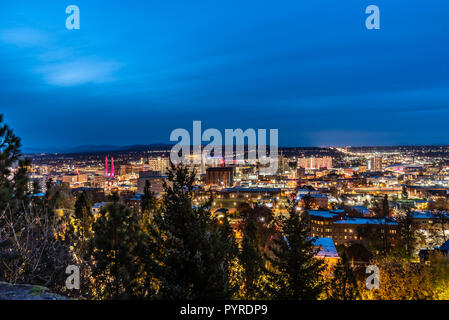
(145,147)
(96,148)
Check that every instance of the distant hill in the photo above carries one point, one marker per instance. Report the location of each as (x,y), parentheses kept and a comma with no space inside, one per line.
(99,148)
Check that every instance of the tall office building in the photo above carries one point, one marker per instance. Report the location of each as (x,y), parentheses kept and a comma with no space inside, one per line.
(374,164)
(126,169)
(315,163)
(221,176)
(283,164)
(159,164)
(156,182)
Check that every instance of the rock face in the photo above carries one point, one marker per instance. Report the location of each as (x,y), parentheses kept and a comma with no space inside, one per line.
(26,292)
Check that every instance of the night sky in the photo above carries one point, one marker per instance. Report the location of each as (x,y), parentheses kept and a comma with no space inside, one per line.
(136,70)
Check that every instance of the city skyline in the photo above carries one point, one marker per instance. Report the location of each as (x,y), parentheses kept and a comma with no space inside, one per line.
(132,75)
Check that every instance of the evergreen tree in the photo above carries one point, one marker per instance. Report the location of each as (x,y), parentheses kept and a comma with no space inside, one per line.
(381,236)
(31,247)
(252,262)
(262,219)
(13,183)
(343,286)
(408,235)
(83,220)
(385,212)
(117,252)
(258,229)
(114,197)
(293,272)
(384,223)
(191,252)
(147,200)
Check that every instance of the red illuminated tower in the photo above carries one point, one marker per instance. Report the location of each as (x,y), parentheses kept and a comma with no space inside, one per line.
(106,171)
(112,174)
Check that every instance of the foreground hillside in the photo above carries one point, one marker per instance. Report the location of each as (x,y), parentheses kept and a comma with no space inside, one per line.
(26,292)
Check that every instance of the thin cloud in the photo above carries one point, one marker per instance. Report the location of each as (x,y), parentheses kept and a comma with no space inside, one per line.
(80,72)
(23,37)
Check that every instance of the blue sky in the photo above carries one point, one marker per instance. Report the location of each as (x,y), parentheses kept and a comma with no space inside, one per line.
(136,70)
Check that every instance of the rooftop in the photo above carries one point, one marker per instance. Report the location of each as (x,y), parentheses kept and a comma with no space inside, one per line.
(322,213)
(425,215)
(327,248)
(252,189)
(365,221)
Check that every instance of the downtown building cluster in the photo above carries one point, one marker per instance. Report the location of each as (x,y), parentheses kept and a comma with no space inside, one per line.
(342,185)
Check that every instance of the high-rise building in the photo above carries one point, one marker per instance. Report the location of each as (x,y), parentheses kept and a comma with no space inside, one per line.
(159,164)
(72,179)
(374,164)
(283,164)
(300,172)
(156,182)
(315,163)
(220,176)
(82,178)
(98,181)
(126,169)
(69,178)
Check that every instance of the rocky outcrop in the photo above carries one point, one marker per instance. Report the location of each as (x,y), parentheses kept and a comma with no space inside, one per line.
(26,292)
